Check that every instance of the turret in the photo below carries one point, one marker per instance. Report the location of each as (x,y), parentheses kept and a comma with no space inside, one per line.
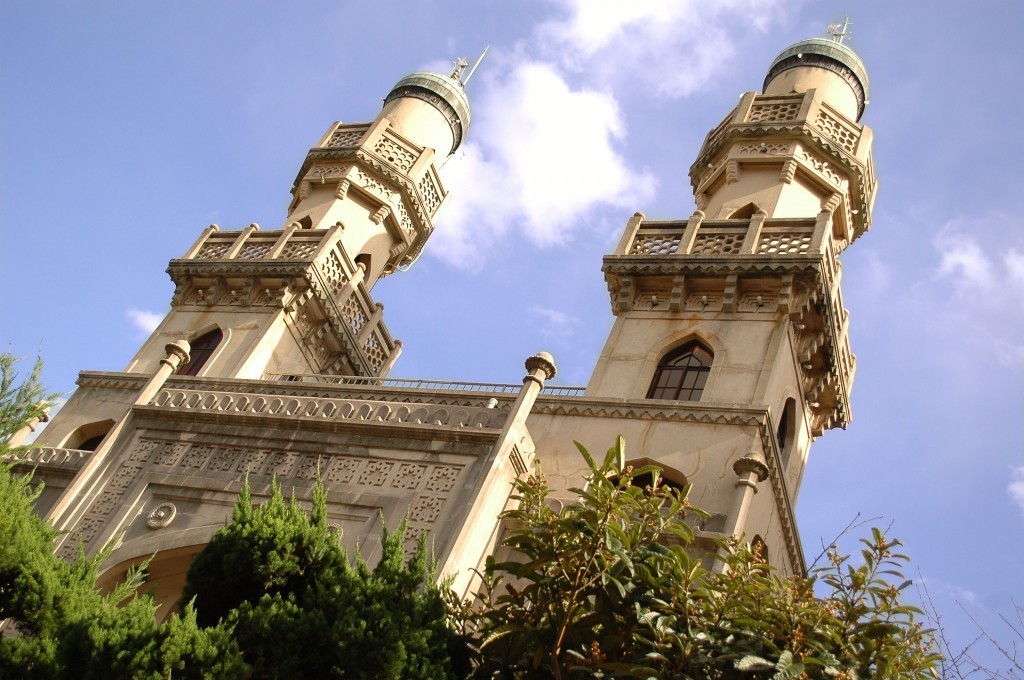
(797,149)
(296,300)
(379,180)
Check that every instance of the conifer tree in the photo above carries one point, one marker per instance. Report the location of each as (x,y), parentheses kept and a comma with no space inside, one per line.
(57,623)
(298,608)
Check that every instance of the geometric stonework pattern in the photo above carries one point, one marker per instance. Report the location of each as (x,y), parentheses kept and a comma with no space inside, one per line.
(436,479)
(778,111)
(656,245)
(838,131)
(784,244)
(717,244)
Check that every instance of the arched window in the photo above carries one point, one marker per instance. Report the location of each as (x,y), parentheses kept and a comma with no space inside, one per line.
(202,349)
(787,429)
(88,436)
(682,373)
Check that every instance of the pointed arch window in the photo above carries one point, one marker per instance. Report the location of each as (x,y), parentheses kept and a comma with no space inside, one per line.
(202,349)
(682,373)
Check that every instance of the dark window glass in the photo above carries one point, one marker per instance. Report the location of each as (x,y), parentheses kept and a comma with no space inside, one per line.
(682,373)
(787,430)
(202,348)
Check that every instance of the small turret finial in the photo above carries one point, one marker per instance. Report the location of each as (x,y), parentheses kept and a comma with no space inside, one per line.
(839,32)
(460,65)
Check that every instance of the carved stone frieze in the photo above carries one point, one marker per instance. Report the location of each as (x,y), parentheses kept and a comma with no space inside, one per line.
(302,407)
(431,481)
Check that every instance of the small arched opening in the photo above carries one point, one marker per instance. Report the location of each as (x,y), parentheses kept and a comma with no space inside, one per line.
(744,213)
(88,436)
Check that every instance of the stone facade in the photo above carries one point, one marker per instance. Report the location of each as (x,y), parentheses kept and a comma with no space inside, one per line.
(288,375)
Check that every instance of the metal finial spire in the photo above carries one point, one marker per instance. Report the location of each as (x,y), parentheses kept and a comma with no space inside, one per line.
(473,70)
(460,64)
(839,32)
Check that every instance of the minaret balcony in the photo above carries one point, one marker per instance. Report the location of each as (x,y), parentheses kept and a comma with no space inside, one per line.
(309,275)
(754,269)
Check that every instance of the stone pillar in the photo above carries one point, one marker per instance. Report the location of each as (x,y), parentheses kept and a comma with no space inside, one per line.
(751,469)
(77,493)
(480,530)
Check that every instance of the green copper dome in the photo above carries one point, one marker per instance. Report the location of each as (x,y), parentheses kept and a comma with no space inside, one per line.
(444,93)
(827,54)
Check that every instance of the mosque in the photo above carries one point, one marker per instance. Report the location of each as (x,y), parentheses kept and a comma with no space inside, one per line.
(728,356)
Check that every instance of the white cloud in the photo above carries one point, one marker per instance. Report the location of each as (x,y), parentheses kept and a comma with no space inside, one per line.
(542,156)
(964,262)
(145,320)
(986,275)
(1016,487)
(554,325)
(674,48)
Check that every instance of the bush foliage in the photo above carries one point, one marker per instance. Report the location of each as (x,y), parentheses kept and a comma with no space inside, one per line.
(609,586)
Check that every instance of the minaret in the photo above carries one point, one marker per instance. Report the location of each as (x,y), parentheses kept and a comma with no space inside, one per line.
(738,310)
(265,304)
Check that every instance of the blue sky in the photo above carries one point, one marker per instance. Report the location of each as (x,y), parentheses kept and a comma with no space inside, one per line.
(126,128)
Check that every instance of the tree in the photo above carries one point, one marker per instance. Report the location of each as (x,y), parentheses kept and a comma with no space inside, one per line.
(608,586)
(297,607)
(65,628)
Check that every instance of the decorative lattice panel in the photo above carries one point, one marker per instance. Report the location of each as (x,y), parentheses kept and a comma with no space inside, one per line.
(213,250)
(353,313)
(839,132)
(333,272)
(403,216)
(375,354)
(431,197)
(368,182)
(784,244)
(395,153)
(777,111)
(343,137)
(717,244)
(254,250)
(299,250)
(773,149)
(656,244)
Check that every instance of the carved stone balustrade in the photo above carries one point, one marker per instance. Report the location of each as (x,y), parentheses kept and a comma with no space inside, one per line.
(49,457)
(305,272)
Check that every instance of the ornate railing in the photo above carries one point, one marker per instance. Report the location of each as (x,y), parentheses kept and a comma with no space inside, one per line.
(340,407)
(728,237)
(415,383)
(64,458)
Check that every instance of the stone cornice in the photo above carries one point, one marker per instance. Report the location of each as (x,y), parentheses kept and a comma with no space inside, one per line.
(721,265)
(112,380)
(262,268)
(650,409)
